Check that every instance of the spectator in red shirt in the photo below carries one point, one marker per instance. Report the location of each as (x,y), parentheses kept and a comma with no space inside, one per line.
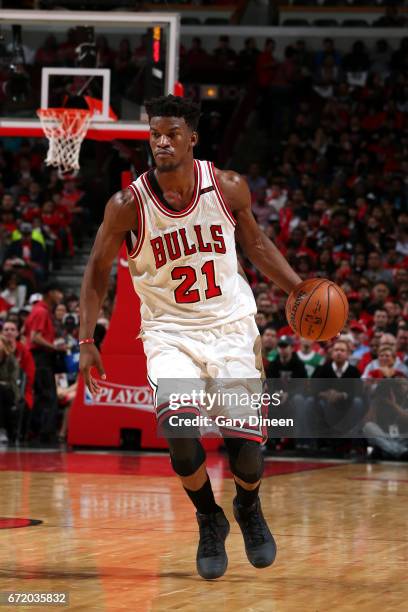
(24,359)
(372,353)
(40,334)
(266,64)
(387,365)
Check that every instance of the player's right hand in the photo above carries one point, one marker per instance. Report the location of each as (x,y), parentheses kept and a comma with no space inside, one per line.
(91,358)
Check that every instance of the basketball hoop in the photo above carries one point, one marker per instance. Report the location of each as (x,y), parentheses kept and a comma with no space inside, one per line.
(65,129)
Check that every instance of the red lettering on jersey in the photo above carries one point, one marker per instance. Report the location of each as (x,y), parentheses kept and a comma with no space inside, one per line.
(203,248)
(173,246)
(158,251)
(188,249)
(217,236)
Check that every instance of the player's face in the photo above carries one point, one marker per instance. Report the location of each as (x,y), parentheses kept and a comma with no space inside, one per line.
(171,141)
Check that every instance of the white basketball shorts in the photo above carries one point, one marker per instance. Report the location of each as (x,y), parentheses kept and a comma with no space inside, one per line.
(224,363)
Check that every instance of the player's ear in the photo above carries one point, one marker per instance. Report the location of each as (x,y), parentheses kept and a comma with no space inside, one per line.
(194,138)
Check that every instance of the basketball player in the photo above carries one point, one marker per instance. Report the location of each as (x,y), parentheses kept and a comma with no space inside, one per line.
(180,221)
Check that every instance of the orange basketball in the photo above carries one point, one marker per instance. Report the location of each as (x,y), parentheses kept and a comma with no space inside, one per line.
(317,309)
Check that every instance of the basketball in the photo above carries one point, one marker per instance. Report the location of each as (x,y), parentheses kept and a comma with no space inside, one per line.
(317,309)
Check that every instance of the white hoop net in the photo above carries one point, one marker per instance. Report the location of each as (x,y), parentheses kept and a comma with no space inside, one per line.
(65,129)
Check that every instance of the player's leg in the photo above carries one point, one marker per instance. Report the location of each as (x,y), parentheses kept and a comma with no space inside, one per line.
(246,463)
(188,460)
(186,451)
(242,373)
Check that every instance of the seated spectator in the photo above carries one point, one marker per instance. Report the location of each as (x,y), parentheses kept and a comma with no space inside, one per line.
(372,354)
(311,358)
(261,208)
(9,392)
(14,291)
(336,407)
(269,339)
(29,252)
(56,229)
(256,182)
(359,343)
(375,271)
(60,311)
(380,321)
(379,296)
(394,311)
(387,422)
(286,370)
(24,359)
(386,365)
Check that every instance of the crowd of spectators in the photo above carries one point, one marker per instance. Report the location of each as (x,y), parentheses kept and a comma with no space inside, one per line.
(42,220)
(39,358)
(331,192)
(333,195)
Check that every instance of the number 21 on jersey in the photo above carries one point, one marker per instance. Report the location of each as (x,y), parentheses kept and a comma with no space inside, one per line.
(185,293)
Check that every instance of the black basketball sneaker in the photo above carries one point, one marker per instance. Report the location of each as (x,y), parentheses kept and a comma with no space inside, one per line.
(212,560)
(260,546)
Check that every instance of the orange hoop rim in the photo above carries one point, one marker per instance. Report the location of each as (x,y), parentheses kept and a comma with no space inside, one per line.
(61,111)
(70,121)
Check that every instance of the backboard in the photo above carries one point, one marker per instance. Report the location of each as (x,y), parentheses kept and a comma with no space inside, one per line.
(117,59)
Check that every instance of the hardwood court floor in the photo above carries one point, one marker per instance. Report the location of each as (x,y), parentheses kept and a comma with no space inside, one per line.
(118,533)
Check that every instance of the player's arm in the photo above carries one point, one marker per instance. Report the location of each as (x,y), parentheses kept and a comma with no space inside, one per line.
(120,217)
(259,249)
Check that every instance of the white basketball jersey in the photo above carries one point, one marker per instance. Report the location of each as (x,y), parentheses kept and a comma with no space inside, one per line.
(184,263)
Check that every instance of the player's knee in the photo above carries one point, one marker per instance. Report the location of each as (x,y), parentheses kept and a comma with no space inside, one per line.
(186,455)
(246,460)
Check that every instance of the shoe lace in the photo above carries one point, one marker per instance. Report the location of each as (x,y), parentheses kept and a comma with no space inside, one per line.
(256,528)
(209,538)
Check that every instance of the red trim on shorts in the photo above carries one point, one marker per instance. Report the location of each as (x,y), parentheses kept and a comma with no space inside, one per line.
(224,205)
(168,211)
(234,433)
(140,221)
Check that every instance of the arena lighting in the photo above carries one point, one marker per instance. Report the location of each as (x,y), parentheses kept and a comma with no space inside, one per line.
(156,44)
(209,92)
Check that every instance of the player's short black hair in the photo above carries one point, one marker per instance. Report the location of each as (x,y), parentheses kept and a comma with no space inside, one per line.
(174,106)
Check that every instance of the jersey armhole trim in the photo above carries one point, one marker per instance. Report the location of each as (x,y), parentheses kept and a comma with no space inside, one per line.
(225,207)
(140,221)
